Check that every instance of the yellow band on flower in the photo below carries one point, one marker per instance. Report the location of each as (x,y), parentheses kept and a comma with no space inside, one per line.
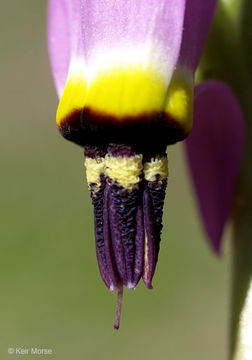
(179,100)
(127,91)
(75,92)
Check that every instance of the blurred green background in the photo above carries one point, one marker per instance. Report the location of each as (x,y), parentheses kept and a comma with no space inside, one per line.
(51,292)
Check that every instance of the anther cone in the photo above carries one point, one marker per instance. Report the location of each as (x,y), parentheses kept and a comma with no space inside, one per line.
(127,189)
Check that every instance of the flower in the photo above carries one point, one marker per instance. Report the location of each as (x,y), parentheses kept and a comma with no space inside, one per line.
(124,73)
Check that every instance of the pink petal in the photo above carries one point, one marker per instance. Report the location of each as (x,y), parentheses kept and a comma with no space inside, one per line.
(125,29)
(198,18)
(62,35)
(109,24)
(214,150)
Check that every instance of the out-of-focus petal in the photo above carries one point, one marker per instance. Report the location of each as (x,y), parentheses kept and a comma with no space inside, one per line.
(214,150)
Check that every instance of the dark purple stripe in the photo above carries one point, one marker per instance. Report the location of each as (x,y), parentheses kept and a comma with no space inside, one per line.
(146,132)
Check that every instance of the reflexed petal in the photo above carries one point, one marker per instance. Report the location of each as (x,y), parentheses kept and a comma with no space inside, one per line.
(214,150)
(197,21)
(198,18)
(58,42)
(62,35)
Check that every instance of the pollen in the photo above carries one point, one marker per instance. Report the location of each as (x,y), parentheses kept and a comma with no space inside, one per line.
(158,166)
(95,168)
(124,170)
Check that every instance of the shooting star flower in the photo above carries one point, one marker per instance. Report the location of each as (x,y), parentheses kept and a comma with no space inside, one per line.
(124,73)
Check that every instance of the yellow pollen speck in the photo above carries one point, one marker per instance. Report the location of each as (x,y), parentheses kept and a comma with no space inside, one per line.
(157,166)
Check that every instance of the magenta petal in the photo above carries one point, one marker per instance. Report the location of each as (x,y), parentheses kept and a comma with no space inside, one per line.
(214,151)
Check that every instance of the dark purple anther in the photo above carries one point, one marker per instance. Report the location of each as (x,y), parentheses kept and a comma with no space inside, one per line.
(110,255)
(139,243)
(128,210)
(149,241)
(125,204)
(156,190)
(97,200)
(116,240)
